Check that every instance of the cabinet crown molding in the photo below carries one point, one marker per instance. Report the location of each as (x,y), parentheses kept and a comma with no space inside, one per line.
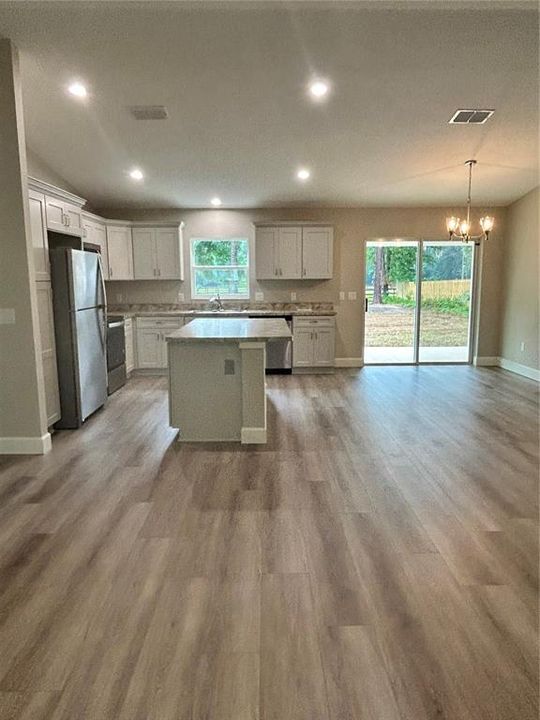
(291,223)
(52,190)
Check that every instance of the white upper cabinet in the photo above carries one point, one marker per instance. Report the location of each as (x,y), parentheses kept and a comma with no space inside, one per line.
(95,232)
(169,256)
(290,253)
(119,248)
(144,263)
(63,216)
(294,252)
(157,253)
(38,231)
(317,252)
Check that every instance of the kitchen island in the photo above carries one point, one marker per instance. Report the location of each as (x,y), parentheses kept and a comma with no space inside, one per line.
(217,389)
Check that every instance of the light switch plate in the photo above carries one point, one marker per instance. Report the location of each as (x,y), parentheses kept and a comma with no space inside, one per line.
(119,298)
(181,297)
(7,316)
(341,295)
(259,296)
(293,297)
(352,295)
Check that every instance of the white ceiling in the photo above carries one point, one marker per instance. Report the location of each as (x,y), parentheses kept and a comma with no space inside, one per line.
(234,81)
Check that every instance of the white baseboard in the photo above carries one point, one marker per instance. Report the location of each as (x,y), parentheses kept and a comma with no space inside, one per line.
(25,445)
(253,435)
(486,361)
(519,369)
(354,362)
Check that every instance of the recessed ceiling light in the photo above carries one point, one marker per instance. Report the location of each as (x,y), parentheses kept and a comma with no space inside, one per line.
(303,174)
(136,174)
(318,89)
(216,202)
(78,89)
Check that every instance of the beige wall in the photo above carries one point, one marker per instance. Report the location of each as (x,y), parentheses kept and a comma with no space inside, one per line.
(23,424)
(352,227)
(520,319)
(38,168)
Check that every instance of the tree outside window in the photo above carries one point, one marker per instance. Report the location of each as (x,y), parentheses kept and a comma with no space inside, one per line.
(219,266)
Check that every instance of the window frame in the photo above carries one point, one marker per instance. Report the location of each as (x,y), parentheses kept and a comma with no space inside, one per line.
(193,268)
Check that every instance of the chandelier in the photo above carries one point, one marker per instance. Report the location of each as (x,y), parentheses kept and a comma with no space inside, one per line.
(461,229)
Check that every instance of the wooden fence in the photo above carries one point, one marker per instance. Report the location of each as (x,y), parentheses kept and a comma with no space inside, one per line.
(435,289)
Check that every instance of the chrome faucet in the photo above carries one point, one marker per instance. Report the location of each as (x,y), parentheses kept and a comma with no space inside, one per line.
(216,303)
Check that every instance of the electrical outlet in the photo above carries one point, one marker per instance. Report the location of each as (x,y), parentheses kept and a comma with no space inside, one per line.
(181,297)
(293,297)
(522,346)
(341,295)
(259,296)
(352,295)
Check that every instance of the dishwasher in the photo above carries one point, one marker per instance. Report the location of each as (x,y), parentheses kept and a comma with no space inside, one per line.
(278,352)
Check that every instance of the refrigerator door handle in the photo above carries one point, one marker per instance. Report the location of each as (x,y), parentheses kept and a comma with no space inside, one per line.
(102,280)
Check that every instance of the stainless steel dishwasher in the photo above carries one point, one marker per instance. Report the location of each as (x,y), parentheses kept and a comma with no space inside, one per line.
(278,352)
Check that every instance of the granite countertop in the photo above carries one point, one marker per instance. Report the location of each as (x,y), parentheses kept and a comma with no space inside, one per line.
(230,329)
(323,309)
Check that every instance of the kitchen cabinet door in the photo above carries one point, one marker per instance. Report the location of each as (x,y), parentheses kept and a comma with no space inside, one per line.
(130,350)
(48,351)
(96,233)
(303,347)
(63,217)
(74,218)
(55,214)
(169,265)
(38,231)
(290,253)
(323,348)
(266,248)
(317,252)
(144,258)
(119,248)
(149,348)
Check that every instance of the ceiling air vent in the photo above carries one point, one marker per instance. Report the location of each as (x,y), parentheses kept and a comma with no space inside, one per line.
(149,112)
(470,117)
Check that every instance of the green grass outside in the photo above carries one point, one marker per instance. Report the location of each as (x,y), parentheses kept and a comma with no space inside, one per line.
(455,306)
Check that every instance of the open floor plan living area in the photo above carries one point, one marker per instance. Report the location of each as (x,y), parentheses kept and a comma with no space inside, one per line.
(269,359)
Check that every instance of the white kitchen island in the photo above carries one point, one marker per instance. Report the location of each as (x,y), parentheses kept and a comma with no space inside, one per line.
(217,389)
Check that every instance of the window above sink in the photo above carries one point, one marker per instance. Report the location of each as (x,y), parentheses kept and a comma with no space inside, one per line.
(219,266)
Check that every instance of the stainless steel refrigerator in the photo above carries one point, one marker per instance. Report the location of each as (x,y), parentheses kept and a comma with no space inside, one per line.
(80,326)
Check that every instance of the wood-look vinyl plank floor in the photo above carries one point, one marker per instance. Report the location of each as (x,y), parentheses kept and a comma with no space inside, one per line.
(376,560)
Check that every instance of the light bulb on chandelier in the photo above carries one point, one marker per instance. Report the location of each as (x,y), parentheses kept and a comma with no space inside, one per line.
(462,228)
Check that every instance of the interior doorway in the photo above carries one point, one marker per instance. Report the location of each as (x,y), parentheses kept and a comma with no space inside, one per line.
(419,300)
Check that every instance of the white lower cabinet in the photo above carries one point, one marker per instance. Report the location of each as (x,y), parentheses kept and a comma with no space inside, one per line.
(130,350)
(48,351)
(151,343)
(314,342)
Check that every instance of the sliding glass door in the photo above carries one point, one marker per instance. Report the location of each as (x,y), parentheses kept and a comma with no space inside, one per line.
(418,301)
(391,269)
(445,306)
